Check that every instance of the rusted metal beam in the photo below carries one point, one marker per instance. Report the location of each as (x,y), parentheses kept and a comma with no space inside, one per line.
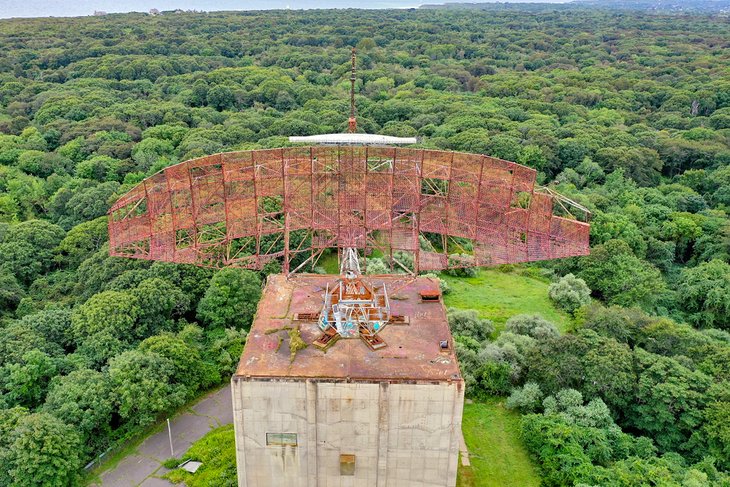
(330,182)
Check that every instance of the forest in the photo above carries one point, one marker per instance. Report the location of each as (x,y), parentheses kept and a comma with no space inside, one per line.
(627,113)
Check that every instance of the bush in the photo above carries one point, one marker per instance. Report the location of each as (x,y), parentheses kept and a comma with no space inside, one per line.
(457,259)
(376,266)
(217,451)
(527,399)
(469,362)
(494,378)
(531,325)
(468,323)
(570,293)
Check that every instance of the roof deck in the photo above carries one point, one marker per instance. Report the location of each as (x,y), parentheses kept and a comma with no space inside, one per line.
(413,351)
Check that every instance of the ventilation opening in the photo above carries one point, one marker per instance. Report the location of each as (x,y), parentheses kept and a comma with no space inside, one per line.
(430,295)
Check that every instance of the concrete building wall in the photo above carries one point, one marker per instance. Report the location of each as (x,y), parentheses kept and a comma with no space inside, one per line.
(401,434)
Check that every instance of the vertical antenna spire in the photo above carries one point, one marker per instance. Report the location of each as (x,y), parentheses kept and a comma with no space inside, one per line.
(352,125)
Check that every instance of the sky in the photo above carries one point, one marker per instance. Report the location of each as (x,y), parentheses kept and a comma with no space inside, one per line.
(72,8)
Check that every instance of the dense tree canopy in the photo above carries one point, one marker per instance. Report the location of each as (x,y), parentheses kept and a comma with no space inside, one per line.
(231,299)
(627,113)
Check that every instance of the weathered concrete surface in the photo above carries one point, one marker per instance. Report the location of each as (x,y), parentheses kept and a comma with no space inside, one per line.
(463,451)
(398,410)
(131,471)
(155,482)
(145,465)
(402,435)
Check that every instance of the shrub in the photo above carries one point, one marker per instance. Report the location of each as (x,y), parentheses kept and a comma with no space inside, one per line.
(376,266)
(494,378)
(527,399)
(570,293)
(468,323)
(457,259)
(531,325)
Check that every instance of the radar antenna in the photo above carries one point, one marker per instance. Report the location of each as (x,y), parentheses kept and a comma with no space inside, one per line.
(354,307)
(351,137)
(349,266)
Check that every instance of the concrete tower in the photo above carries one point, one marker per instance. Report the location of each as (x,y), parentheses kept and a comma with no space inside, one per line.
(351,416)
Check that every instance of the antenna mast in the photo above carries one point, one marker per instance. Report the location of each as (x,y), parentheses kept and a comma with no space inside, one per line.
(352,125)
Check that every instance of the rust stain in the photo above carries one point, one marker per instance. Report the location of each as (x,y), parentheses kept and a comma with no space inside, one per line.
(413,351)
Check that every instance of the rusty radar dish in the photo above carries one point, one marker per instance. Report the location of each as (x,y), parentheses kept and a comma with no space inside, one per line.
(420,209)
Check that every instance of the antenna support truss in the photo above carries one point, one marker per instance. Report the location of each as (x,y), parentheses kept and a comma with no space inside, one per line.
(417,209)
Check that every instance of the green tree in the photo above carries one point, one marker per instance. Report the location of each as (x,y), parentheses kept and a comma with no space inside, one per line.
(527,399)
(53,324)
(83,400)
(134,375)
(85,203)
(30,247)
(223,348)
(717,423)
(42,451)
(231,299)
(704,293)
(83,240)
(159,302)
(570,293)
(10,291)
(110,311)
(534,326)
(467,323)
(17,339)
(615,274)
(641,164)
(147,152)
(668,402)
(189,368)
(24,383)
(101,168)
(96,350)
(221,97)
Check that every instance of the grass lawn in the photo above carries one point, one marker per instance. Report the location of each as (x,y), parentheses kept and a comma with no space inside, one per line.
(329,263)
(217,451)
(498,457)
(498,296)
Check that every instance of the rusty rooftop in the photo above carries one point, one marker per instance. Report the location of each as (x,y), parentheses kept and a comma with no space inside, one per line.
(413,353)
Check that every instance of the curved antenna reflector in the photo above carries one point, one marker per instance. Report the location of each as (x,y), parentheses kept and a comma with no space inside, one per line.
(417,209)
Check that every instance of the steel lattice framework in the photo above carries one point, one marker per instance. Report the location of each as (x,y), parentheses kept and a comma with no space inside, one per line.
(431,209)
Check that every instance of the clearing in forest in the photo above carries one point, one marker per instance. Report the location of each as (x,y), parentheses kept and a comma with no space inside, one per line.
(498,296)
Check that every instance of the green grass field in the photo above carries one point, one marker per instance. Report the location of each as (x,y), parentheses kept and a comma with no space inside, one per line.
(329,263)
(217,451)
(497,456)
(499,295)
